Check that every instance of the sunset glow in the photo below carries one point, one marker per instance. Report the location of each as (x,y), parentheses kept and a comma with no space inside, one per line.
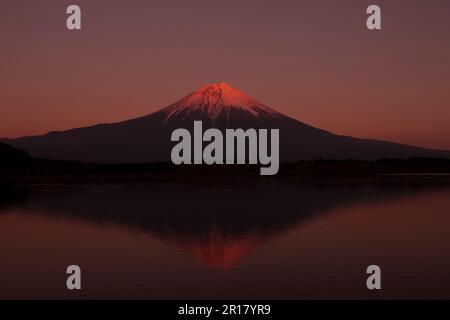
(314,61)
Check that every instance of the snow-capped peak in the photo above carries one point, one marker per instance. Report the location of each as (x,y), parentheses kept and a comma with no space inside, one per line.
(212,99)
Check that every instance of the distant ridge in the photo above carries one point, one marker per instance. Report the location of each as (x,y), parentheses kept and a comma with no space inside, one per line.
(13,160)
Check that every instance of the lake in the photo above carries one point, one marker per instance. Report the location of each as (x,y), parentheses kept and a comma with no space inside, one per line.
(269,238)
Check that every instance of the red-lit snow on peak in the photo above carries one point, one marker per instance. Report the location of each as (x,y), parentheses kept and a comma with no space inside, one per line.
(212,99)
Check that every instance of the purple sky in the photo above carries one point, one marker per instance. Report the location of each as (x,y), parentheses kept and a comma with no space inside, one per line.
(312,60)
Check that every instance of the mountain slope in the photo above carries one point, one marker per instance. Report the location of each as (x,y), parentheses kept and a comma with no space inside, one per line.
(147,139)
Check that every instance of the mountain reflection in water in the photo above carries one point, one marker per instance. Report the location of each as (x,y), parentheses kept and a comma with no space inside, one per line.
(217,225)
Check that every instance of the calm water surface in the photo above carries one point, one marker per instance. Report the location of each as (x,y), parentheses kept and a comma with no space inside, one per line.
(271,239)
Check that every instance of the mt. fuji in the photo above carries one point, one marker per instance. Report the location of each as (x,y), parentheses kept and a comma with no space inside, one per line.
(147,139)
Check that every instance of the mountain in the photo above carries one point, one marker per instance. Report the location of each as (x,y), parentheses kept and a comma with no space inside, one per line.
(147,139)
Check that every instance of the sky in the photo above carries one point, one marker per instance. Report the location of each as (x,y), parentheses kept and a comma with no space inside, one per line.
(313,60)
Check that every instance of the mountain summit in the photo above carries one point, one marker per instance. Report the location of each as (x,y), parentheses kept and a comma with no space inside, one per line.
(214,100)
(147,139)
